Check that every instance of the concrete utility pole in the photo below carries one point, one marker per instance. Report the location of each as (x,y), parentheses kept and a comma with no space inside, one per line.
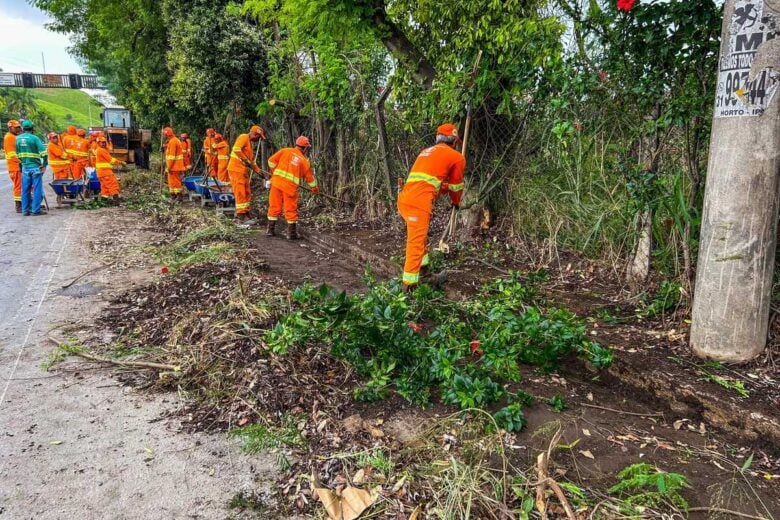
(739,225)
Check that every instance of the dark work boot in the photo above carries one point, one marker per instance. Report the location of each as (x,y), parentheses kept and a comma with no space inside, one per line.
(271,230)
(18,206)
(435,280)
(116,200)
(292,231)
(408,288)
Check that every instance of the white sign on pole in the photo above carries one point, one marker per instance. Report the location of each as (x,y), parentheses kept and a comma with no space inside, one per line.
(752,24)
(6,79)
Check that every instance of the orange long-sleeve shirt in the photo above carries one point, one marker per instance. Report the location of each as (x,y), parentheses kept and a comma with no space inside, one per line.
(289,168)
(9,146)
(104,161)
(80,149)
(223,157)
(174,158)
(68,141)
(58,157)
(435,165)
(242,148)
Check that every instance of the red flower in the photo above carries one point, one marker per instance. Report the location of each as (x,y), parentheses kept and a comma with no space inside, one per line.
(625,5)
(163,270)
(602,75)
(475,350)
(415,326)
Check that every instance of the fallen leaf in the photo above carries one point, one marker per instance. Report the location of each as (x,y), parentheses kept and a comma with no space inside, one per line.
(398,485)
(355,501)
(359,478)
(149,450)
(586,432)
(55,443)
(416,513)
(243,421)
(678,424)
(590,396)
(330,501)
(588,454)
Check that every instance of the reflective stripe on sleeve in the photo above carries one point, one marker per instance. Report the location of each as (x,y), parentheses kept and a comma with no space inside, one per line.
(57,162)
(223,157)
(103,165)
(10,155)
(456,187)
(313,184)
(174,157)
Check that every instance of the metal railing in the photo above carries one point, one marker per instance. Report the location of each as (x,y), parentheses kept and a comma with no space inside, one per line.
(33,80)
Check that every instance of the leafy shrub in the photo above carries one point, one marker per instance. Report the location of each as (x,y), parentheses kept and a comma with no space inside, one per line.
(421,343)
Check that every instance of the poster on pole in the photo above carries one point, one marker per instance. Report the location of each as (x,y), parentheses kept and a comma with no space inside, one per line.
(752,25)
(7,79)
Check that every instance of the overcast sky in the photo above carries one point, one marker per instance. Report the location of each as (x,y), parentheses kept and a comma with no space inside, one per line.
(23,37)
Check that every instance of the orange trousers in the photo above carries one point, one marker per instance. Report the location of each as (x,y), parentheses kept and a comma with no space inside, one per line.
(16,179)
(278,199)
(222,175)
(417,222)
(61,172)
(77,168)
(174,182)
(241,191)
(109,184)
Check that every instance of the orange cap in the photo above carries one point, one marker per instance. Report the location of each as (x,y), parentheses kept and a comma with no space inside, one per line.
(303,142)
(448,129)
(13,123)
(72,130)
(256,129)
(81,132)
(168,131)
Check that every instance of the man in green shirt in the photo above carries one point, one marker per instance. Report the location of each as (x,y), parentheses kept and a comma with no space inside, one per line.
(33,155)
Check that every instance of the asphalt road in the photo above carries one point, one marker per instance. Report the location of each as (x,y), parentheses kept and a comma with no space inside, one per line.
(74,443)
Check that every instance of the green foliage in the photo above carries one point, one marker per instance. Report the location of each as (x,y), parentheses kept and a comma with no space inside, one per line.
(21,103)
(668,297)
(729,384)
(646,485)
(511,418)
(557,402)
(256,438)
(378,459)
(419,343)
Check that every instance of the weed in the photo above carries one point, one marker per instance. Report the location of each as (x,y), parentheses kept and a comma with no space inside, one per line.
(646,485)
(668,298)
(729,384)
(61,351)
(557,403)
(378,459)
(260,437)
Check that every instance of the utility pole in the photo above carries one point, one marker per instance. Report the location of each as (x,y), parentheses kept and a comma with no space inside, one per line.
(43,62)
(739,225)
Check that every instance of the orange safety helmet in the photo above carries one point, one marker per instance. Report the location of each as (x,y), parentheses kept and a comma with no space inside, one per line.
(448,130)
(13,123)
(102,139)
(303,142)
(218,137)
(168,131)
(72,130)
(81,132)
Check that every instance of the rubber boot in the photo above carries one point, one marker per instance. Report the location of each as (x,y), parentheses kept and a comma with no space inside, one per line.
(271,230)
(292,231)
(435,280)
(18,206)
(408,288)
(115,200)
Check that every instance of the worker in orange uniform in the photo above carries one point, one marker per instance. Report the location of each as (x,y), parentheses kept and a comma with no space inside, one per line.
(104,163)
(210,153)
(289,167)
(13,163)
(68,141)
(186,149)
(223,158)
(241,161)
(440,163)
(79,153)
(59,160)
(174,163)
(93,137)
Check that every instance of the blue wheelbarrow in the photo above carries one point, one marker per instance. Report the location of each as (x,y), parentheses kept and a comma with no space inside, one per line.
(68,191)
(191,183)
(223,198)
(94,183)
(204,190)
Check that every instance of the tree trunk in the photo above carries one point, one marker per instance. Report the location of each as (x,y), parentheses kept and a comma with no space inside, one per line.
(639,265)
(384,163)
(401,48)
(342,180)
(739,224)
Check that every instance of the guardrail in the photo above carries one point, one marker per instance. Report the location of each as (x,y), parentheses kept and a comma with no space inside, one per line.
(32,80)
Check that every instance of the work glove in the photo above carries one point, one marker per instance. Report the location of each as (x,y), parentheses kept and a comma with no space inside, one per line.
(315,190)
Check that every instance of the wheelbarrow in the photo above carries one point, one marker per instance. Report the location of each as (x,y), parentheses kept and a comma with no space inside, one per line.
(203,188)
(93,186)
(191,183)
(68,191)
(223,198)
